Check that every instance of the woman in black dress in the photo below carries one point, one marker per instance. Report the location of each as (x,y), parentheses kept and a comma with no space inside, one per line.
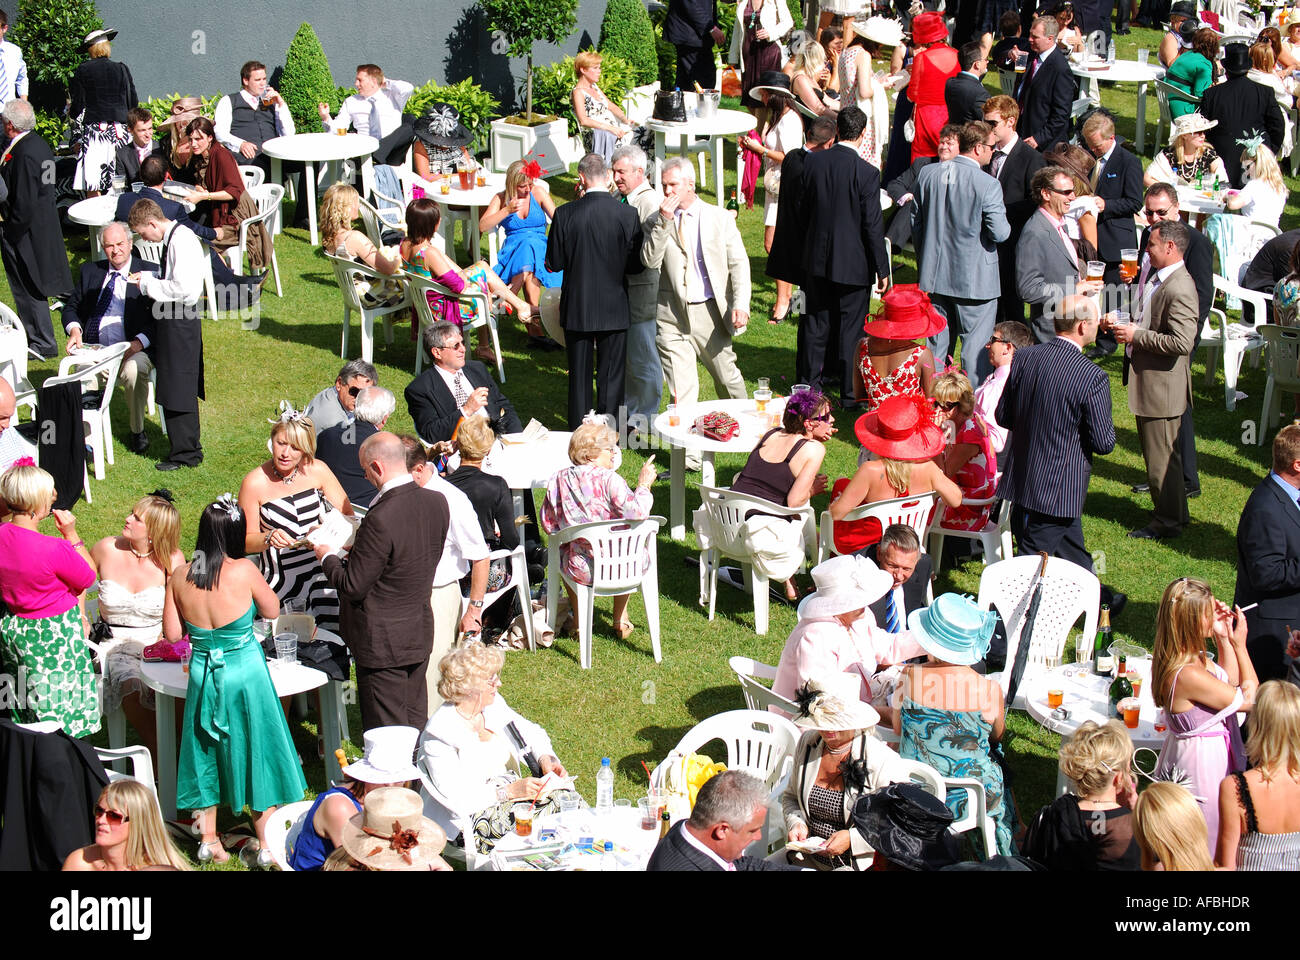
(102,91)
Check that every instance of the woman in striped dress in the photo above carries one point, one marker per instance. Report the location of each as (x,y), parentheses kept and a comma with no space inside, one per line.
(290,494)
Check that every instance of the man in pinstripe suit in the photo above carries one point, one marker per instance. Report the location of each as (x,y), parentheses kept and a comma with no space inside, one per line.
(1057,406)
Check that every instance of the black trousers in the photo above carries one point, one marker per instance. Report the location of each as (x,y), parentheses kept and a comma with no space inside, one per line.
(291,168)
(1010,306)
(31,305)
(1187,447)
(393,696)
(183,432)
(695,65)
(608,349)
(1266,643)
(829,334)
(1056,536)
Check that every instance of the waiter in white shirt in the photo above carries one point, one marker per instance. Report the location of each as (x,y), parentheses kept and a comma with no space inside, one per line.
(375,110)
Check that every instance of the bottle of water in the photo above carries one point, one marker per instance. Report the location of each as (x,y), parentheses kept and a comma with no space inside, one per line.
(604,789)
(1110,52)
(607,860)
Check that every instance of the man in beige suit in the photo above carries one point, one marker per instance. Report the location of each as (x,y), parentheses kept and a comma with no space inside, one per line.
(1160,384)
(703,286)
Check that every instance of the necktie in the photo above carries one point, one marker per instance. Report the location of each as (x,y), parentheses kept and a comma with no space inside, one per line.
(1096,174)
(4,80)
(91,333)
(1024,87)
(374,118)
(995,166)
(891,613)
(459,389)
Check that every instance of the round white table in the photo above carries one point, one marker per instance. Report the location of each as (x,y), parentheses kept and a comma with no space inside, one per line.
(752,427)
(526,466)
(722,124)
(1123,71)
(1201,201)
(94,213)
(311,149)
(171,683)
(633,845)
(475,199)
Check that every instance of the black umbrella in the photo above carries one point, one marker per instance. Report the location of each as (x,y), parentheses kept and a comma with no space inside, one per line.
(1035,594)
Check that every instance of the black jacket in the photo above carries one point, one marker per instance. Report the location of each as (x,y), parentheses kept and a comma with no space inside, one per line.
(899,231)
(434,409)
(599,240)
(1272,263)
(103,89)
(688,22)
(784,259)
(1268,573)
(673,853)
(1120,185)
(1045,105)
(964,96)
(128,161)
(80,305)
(1242,107)
(338,447)
(492,503)
(1017,171)
(31,221)
(840,221)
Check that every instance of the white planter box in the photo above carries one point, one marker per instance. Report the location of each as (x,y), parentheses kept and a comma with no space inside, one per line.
(548,144)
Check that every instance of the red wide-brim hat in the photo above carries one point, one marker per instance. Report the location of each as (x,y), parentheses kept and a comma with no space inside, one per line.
(901,428)
(929,27)
(907,315)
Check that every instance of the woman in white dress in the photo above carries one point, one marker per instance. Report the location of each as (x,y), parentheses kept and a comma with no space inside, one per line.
(782,132)
(1263,198)
(1264,72)
(133,568)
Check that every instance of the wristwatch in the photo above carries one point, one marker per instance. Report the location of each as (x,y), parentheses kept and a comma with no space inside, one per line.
(476,604)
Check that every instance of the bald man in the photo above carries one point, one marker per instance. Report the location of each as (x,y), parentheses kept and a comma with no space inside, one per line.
(12,444)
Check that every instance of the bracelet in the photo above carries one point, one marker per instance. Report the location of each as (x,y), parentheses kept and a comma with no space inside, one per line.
(79,543)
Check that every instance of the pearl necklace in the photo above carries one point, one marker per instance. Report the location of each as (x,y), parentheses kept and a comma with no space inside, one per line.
(838,752)
(137,554)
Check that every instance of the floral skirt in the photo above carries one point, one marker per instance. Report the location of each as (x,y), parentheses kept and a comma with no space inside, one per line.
(97,145)
(49,662)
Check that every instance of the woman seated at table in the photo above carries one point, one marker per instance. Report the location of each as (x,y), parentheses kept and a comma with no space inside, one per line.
(809,74)
(1188,158)
(441,143)
(129,833)
(290,495)
(948,715)
(894,360)
(1178,38)
(1201,698)
(222,202)
(479,772)
(1081,215)
(902,433)
(1283,58)
(590,490)
(175,142)
(523,210)
(1091,827)
(1170,830)
(386,763)
(1263,196)
(1194,70)
(339,209)
(1259,810)
(603,124)
(838,759)
(133,569)
(421,257)
(968,459)
(1068,35)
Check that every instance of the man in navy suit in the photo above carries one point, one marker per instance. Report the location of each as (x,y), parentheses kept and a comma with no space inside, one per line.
(728,816)
(1117,191)
(1057,406)
(843,254)
(1013,164)
(1046,89)
(432,397)
(688,27)
(1268,558)
(965,93)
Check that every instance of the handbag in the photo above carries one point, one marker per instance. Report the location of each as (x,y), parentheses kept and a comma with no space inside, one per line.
(772,182)
(716,426)
(670,106)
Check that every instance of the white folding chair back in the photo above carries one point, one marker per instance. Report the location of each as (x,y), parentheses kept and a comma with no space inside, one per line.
(757,695)
(1283,372)
(994,537)
(139,758)
(100,374)
(1068,591)
(518,582)
(346,270)
(268,197)
(1237,339)
(1007,81)
(977,813)
(726,510)
(418,288)
(286,823)
(375,222)
(13,358)
(1095,43)
(914,511)
(619,551)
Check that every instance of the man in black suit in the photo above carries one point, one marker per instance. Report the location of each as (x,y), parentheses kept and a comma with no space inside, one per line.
(337,446)
(1046,89)
(902,189)
(598,240)
(843,255)
(1057,406)
(1271,264)
(727,817)
(31,241)
(783,260)
(899,554)
(965,93)
(1268,545)
(1014,164)
(688,27)
(1242,108)
(140,122)
(1117,189)
(383,588)
(452,387)
(103,309)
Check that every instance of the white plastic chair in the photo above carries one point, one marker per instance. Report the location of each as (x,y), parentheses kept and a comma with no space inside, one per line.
(1236,340)
(253,176)
(141,764)
(518,582)
(994,537)
(435,803)
(13,358)
(1068,591)
(417,290)
(1166,92)
(346,270)
(1283,355)
(268,197)
(1007,81)
(913,511)
(104,366)
(977,812)
(285,824)
(375,221)
(924,775)
(152,252)
(618,553)
(726,510)
(757,695)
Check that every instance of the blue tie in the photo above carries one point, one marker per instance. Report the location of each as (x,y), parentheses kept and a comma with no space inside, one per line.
(91,334)
(4,80)
(891,613)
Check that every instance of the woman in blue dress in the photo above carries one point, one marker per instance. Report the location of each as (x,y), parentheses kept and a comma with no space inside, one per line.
(523,209)
(948,715)
(235,744)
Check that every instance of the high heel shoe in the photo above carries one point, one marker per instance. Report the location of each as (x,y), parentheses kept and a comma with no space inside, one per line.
(255,857)
(624,628)
(208,852)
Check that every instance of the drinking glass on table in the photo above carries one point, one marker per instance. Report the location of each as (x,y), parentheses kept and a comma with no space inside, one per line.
(762,394)
(1143,56)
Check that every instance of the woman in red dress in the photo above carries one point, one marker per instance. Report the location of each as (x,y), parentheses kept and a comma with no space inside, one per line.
(933,64)
(893,359)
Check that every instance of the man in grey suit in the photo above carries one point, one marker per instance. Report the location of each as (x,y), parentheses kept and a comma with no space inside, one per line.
(644,383)
(1047,266)
(958,223)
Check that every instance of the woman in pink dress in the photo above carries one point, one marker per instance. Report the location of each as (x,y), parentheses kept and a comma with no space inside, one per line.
(969,458)
(934,63)
(1201,698)
(893,360)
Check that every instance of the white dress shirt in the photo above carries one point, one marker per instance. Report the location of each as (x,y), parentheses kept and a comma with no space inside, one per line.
(14,84)
(449,378)
(691,839)
(464,544)
(698,287)
(387,102)
(221,120)
(185,266)
(111,329)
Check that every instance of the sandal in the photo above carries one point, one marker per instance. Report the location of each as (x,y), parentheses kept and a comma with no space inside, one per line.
(774,320)
(623,629)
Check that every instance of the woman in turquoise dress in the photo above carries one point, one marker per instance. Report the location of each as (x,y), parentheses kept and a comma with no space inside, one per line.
(235,744)
(523,209)
(948,715)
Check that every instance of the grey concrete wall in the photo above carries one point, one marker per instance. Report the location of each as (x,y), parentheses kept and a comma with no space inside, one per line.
(198,48)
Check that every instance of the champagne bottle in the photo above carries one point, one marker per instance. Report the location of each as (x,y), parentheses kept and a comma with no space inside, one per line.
(1102,661)
(1120,688)
(665,824)
(732,205)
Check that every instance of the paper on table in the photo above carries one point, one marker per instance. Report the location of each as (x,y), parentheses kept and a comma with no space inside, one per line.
(551,783)
(337,532)
(534,431)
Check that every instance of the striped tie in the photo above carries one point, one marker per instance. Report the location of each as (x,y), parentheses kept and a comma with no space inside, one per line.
(4,80)
(891,614)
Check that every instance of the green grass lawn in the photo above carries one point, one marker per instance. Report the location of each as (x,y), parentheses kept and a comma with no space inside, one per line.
(627,707)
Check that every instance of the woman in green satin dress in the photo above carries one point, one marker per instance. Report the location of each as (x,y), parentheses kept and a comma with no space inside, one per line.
(235,743)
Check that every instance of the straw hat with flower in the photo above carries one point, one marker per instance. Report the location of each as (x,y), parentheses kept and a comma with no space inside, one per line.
(392,833)
(901,428)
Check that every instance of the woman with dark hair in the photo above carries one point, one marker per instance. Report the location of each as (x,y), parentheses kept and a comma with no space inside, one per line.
(235,744)
(221,201)
(857,86)
(101,92)
(1285,63)
(1194,70)
(782,132)
(756,45)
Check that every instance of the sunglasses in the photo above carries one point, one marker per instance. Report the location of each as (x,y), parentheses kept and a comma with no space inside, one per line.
(993,340)
(1158,213)
(947,404)
(112,816)
(826,417)
(1067,192)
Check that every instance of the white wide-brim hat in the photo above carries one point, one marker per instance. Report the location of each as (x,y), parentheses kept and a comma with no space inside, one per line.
(844,584)
(832,703)
(387,759)
(882,30)
(1191,123)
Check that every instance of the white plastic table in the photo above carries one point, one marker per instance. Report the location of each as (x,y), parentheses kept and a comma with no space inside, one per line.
(171,683)
(527,466)
(722,124)
(1124,71)
(1196,201)
(475,198)
(98,212)
(622,827)
(752,427)
(311,149)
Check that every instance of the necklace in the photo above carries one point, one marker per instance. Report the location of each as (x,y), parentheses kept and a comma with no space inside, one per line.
(283,479)
(139,556)
(838,751)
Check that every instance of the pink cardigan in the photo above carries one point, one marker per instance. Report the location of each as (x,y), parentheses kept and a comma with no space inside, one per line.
(40,576)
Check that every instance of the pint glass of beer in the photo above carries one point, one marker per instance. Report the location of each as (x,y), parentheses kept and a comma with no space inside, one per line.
(1128,265)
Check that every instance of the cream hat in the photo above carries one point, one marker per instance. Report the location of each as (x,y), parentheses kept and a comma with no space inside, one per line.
(844,584)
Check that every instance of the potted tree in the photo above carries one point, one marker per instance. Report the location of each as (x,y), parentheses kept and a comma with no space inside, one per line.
(523,23)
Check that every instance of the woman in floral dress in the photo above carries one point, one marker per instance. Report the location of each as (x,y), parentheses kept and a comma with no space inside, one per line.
(969,459)
(893,359)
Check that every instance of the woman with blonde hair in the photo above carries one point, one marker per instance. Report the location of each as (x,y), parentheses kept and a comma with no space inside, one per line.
(339,209)
(1170,830)
(522,210)
(809,76)
(596,113)
(490,496)
(968,458)
(1264,194)
(101,91)
(129,833)
(1259,810)
(290,495)
(1188,158)
(1201,698)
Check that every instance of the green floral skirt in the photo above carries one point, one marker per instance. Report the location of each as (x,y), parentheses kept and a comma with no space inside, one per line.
(50,671)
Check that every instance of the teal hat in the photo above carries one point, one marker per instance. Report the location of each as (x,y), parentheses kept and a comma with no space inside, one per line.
(953,629)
